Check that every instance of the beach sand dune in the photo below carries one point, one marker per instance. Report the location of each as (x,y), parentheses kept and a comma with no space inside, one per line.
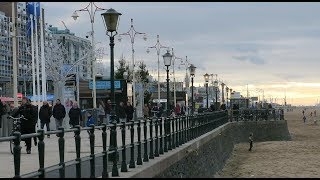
(293,159)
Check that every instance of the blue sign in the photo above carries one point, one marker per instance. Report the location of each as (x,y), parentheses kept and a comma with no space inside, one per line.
(50,97)
(105,84)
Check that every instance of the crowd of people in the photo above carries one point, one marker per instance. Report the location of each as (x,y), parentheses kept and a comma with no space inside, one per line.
(312,116)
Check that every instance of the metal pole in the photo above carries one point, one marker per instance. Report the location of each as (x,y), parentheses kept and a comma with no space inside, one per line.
(14,51)
(192,108)
(168,92)
(174,81)
(43,64)
(93,63)
(207,95)
(113,103)
(33,63)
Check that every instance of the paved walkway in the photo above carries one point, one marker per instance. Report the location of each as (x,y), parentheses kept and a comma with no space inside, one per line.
(30,162)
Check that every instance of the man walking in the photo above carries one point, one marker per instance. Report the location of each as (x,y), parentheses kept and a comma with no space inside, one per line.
(59,112)
(251,141)
(45,114)
(121,113)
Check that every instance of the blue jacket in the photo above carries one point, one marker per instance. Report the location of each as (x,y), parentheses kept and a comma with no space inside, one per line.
(91,120)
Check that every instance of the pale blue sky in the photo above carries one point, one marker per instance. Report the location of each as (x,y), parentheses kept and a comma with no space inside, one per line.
(260,44)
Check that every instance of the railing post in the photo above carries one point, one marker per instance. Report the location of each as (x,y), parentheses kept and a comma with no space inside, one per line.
(156,151)
(104,147)
(124,159)
(17,154)
(92,156)
(165,129)
(132,163)
(139,159)
(177,132)
(169,134)
(41,153)
(115,155)
(173,137)
(161,135)
(180,130)
(61,153)
(145,153)
(151,153)
(78,143)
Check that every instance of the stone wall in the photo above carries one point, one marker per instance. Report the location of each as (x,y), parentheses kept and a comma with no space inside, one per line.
(206,155)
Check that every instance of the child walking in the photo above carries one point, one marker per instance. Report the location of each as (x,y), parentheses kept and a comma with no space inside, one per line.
(90,121)
(251,141)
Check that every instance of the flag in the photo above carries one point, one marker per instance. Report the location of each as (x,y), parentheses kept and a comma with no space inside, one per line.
(30,10)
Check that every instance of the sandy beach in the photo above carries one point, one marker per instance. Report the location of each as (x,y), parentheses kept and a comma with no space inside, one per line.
(293,159)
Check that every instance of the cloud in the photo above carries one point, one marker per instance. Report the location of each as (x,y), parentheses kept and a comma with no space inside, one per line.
(251,58)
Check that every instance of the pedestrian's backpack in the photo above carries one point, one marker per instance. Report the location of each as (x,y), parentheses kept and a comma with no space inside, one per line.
(90,121)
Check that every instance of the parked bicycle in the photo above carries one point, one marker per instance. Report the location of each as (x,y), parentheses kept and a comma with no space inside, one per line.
(16,127)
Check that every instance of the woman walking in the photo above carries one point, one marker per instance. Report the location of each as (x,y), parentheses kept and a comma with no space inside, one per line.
(74,115)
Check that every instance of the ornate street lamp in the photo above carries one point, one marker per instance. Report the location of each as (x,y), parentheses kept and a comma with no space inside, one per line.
(167,57)
(111,19)
(192,70)
(206,78)
(227,91)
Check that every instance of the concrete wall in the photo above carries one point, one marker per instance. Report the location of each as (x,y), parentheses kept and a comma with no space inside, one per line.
(206,155)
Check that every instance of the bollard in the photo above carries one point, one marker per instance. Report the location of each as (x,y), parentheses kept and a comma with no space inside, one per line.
(139,159)
(78,143)
(151,153)
(145,154)
(132,162)
(161,136)
(156,151)
(61,153)
(123,133)
(41,153)
(104,147)
(17,154)
(92,156)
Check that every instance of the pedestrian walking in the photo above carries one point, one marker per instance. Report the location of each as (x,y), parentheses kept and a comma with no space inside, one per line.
(45,114)
(129,111)
(74,115)
(2,112)
(251,141)
(315,113)
(177,110)
(108,110)
(121,112)
(303,112)
(304,119)
(101,112)
(145,111)
(160,110)
(59,112)
(27,126)
(90,121)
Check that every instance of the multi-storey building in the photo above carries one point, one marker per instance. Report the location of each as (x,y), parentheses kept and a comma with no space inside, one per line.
(75,46)
(23,45)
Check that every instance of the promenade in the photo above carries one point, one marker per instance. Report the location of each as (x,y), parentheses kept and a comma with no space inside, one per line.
(287,159)
(30,162)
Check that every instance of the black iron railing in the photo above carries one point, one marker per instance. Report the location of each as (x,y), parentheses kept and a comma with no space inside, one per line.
(165,134)
(256,114)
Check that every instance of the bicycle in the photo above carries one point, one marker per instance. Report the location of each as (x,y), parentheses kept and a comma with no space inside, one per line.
(16,127)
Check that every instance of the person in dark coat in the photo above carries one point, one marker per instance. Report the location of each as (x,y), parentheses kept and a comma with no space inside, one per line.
(129,111)
(75,115)
(59,112)
(45,114)
(27,110)
(121,112)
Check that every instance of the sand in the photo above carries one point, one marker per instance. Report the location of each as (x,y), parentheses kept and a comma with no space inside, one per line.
(293,159)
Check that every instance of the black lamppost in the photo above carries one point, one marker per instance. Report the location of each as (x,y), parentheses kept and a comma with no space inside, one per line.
(110,19)
(227,90)
(216,87)
(192,70)
(206,78)
(167,57)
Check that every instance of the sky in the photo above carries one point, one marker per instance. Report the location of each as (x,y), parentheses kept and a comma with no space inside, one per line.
(260,45)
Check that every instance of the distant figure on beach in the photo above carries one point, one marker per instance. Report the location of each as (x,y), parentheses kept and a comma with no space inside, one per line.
(315,113)
(303,112)
(304,119)
(251,141)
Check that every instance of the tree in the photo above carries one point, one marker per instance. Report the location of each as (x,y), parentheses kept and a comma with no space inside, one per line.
(143,73)
(123,67)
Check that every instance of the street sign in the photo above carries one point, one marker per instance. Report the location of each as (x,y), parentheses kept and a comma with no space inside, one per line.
(105,84)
